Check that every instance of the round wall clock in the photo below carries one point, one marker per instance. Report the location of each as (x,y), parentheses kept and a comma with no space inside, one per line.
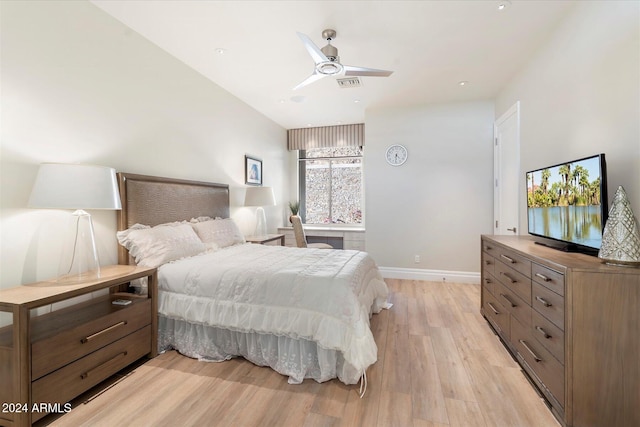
(396,154)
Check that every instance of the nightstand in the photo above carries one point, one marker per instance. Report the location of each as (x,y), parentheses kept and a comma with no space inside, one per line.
(48,360)
(264,239)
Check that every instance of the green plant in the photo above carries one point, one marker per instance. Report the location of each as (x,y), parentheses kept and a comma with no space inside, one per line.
(294,207)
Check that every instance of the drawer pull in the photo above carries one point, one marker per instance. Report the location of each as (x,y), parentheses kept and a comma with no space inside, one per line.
(506,297)
(487,262)
(104,331)
(487,281)
(493,308)
(543,277)
(543,332)
(117,356)
(544,301)
(511,279)
(535,356)
(488,248)
(511,260)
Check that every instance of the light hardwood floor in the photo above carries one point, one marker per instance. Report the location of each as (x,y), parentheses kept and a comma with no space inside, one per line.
(439,364)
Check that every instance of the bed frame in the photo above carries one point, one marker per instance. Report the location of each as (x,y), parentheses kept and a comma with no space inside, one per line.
(153,200)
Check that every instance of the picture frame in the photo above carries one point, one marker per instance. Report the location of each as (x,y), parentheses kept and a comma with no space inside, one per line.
(252,170)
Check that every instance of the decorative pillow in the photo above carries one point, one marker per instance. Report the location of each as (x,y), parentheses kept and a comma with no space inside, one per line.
(152,247)
(222,232)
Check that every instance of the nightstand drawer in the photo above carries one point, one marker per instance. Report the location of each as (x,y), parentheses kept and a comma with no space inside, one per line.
(64,384)
(98,323)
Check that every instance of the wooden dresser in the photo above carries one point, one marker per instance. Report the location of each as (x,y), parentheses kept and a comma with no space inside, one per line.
(572,323)
(48,360)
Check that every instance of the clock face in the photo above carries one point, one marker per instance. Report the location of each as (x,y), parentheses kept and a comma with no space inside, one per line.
(396,155)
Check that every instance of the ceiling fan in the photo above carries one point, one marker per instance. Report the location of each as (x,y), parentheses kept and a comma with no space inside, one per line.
(328,63)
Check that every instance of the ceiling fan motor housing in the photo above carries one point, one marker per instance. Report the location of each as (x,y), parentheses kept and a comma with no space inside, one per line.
(331,52)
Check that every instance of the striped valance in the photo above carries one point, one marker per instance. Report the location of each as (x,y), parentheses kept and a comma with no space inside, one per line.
(327,136)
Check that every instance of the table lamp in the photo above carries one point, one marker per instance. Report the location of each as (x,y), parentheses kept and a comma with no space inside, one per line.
(260,196)
(79,187)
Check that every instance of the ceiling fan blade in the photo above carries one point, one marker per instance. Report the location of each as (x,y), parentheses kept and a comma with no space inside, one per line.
(312,78)
(313,50)
(350,70)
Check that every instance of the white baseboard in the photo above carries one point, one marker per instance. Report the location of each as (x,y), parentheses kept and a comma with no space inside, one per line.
(430,275)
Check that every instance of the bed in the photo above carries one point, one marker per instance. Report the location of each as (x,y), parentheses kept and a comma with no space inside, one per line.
(303,312)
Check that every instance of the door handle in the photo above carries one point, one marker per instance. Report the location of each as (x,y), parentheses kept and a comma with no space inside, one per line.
(512,229)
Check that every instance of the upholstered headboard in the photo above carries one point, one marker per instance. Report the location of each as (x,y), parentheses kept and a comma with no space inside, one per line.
(153,200)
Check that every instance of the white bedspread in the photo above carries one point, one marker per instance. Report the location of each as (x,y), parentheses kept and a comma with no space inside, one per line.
(324,296)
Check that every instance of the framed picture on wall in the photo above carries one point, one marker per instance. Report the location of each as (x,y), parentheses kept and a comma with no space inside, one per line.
(252,171)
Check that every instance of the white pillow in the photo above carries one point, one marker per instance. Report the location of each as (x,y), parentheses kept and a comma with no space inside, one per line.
(152,247)
(221,232)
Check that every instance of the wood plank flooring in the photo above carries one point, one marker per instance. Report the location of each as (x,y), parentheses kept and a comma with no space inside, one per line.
(439,364)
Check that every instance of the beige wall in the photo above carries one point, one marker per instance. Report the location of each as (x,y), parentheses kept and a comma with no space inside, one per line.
(438,203)
(80,87)
(580,95)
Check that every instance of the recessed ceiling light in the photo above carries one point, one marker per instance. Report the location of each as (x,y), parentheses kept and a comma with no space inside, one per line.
(298,98)
(463,83)
(220,51)
(504,4)
(356,101)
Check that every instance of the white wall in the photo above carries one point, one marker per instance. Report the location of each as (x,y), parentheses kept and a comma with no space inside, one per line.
(438,203)
(80,87)
(580,95)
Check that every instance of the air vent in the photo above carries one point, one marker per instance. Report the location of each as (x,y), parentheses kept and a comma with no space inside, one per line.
(349,82)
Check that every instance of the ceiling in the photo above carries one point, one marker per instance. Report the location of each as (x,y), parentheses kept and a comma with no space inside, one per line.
(430,45)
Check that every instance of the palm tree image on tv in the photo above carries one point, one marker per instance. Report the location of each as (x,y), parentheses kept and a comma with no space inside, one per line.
(563,202)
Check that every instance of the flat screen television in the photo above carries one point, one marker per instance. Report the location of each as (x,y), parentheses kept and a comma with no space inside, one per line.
(567,203)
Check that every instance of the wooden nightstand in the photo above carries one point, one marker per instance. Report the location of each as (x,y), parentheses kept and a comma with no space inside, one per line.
(264,239)
(46,361)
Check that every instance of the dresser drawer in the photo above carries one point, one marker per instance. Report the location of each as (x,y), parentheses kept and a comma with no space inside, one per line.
(514,280)
(548,278)
(549,304)
(496,313)
(548,334)
(513,303)
(515,261)
(544,366)
(489,282)
(488,262)
(489,248)
(51,353)
(66,383)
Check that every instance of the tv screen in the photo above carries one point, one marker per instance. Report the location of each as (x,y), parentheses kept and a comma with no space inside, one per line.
(567,202)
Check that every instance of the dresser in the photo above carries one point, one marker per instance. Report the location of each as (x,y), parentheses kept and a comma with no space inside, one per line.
(573,325)
(47,360)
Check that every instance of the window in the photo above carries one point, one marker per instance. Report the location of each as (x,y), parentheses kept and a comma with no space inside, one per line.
(331,185)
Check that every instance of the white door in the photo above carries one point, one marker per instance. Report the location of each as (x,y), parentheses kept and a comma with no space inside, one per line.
(506,161)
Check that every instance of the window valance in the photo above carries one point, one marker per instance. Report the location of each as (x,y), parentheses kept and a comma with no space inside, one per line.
(326,136)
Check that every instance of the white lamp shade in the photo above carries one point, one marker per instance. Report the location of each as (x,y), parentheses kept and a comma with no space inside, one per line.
(73,186)
(259,196)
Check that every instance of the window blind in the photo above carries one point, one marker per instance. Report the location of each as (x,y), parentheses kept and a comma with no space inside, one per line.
(326,136)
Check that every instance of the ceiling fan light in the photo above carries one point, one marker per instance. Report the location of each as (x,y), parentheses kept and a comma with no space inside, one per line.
(329,68)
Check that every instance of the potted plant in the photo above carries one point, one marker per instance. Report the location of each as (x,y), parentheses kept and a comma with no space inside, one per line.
(294,207)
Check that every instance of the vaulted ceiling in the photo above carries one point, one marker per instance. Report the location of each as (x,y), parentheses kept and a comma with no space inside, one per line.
(250,48)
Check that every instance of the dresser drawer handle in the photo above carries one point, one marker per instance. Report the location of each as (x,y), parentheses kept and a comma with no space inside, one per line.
(487,262)
(506,297)
(543,277)
(487,281)
(511,279)
(544,302)
(543,332)
(535,356)
(104,331)
(511,260)
(488,248)
(493,308)
(117,356)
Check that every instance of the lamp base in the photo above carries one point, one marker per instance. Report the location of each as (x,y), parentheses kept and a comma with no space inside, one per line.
(79,260)
(261,223)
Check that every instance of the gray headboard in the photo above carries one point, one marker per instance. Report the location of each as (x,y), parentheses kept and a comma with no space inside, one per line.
(153,200)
